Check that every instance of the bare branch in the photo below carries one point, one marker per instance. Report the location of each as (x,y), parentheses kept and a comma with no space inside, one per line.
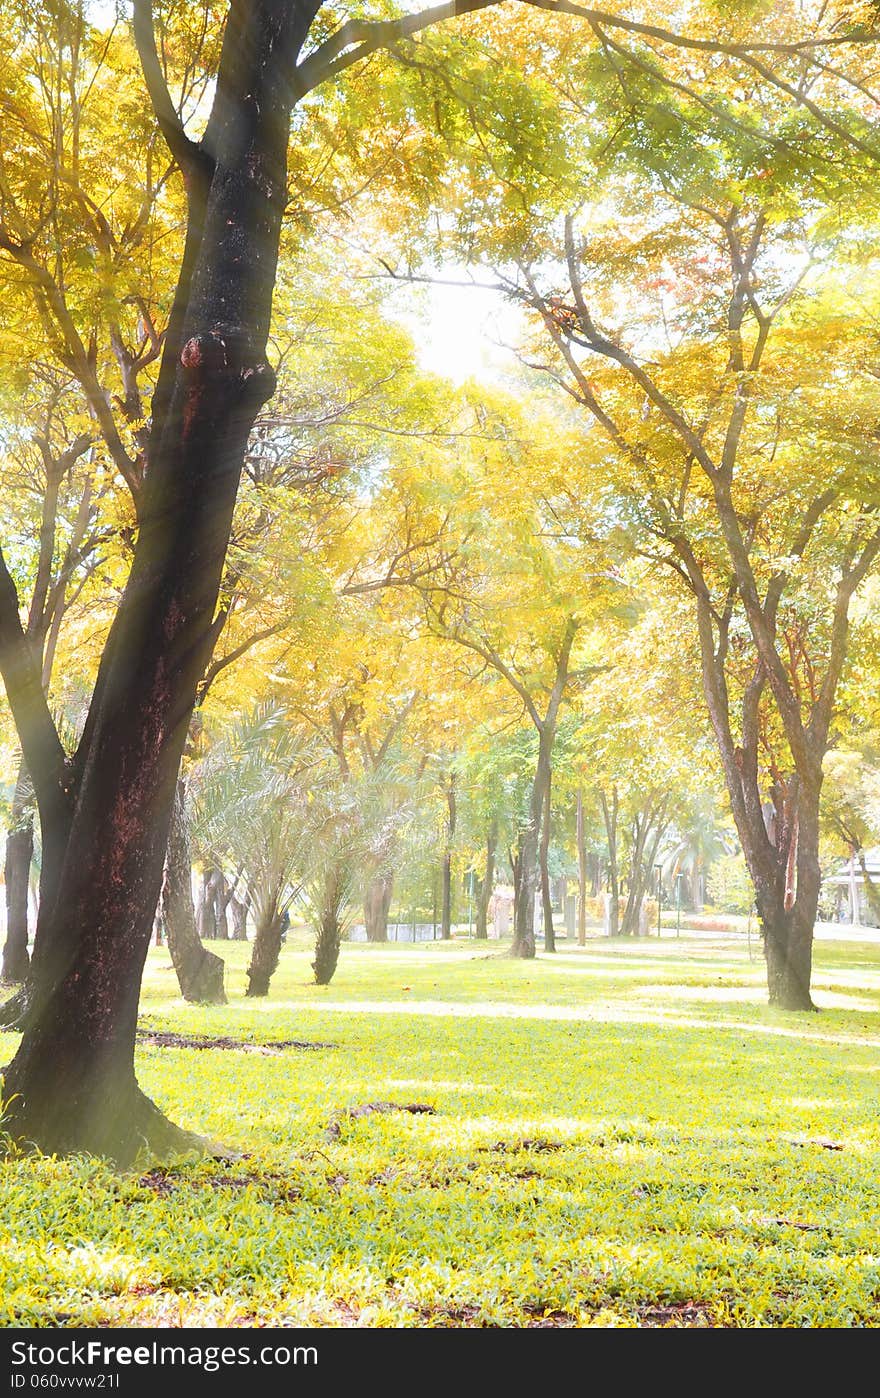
(190,156)
(41,747)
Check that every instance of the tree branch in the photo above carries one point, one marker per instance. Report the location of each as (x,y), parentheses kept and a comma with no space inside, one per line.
(40,745)
(190,156)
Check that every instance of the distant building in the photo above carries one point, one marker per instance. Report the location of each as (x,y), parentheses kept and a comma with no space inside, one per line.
(850,895)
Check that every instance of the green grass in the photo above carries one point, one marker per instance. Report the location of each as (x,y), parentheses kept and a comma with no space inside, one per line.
(624,1135)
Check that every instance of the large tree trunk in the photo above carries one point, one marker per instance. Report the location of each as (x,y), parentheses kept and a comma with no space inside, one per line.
(544,856)
(72,1085)
(19,854)
(485,886)
(199,971)
(377,902)
(788,919)
(788,951)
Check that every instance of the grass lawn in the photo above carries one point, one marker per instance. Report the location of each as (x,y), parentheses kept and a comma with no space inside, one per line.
(620,1135)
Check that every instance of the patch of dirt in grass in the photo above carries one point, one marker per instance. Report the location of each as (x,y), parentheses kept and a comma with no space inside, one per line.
(545,1316)
(159,1181)
(161,1038)
(540,1315)
(334,1126)
(675,1315)
(821,1142)
(275,1188)
(446,1317)
(536,1143)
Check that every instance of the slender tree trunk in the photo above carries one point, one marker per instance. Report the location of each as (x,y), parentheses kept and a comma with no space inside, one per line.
(516,873)
(19,855)
(238,908)
(206,910)
(609,815)
(582,871)
(524,895)
(649,829)
(446,893)
(221,901)
(199,971)
(544,854)
(524,900)
(377,902)
(485,886)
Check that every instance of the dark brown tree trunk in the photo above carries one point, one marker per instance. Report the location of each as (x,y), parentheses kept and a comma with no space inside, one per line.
(19,854)
(266,949)
(523,944)
(71,1085)
(544,855)
(788,950)
(787,921)
(485,886)
(582,871)
(199,971)
(446,882)
(377,902)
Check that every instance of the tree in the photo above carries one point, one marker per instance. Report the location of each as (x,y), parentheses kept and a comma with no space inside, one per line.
(798,650)
(199,971)
(105,811)
(44,469)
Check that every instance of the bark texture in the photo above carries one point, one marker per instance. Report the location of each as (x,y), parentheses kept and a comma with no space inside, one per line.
(106,814)
(328,938)
(266,949)
(19,854)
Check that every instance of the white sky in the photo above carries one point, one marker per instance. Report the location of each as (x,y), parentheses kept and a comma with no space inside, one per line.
(460,332)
